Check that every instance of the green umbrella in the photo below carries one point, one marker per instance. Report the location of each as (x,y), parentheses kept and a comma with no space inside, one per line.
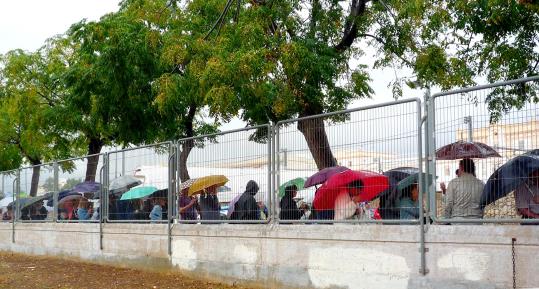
(137,193)
(299,182)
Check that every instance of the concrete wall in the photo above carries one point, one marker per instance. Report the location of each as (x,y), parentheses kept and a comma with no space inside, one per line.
(302,256)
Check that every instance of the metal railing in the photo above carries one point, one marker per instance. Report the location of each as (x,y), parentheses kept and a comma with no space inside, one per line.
(237,161)
(355,139)
(378,138)
(480,114)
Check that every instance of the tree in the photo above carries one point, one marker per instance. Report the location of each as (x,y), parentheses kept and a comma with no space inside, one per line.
(27,131)
(113,64)
(285,59)
(180,93)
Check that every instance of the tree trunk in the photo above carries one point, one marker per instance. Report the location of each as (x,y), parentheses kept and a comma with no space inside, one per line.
(188,145)
(36,171)
(315,134)
(94,148)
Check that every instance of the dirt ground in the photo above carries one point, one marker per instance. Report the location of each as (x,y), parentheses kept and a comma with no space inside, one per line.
(21,271)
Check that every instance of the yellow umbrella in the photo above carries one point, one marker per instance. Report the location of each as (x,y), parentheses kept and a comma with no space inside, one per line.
(205,182)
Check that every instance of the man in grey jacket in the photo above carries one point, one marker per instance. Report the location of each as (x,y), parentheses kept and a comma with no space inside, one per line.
(464,193)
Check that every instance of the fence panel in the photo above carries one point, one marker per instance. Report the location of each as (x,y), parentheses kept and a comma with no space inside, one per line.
(138,184)
(477,114)
(79,183)
(36,187)
(221,166)
(8,189)
(380,138)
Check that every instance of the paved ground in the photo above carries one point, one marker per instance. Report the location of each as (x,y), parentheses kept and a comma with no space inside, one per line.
(21,271)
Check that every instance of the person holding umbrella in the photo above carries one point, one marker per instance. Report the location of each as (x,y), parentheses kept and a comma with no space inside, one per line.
(187,206)
(289,207)
(464,193)
(527,197)
(346,205)
(209,204)
(408,204)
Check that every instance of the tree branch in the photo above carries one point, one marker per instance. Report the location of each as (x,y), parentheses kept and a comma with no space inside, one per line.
(220,20)
(357,9)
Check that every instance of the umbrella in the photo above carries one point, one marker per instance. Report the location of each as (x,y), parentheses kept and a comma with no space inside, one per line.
(465,150)
(33,200)
(396,175)
(509,176)
(205,182)
(321,176)
(70,198)
(373,184)
(407,182)
(298,182)
(138,192)
(123,184)
(187,184)
(61,195)
(87,187)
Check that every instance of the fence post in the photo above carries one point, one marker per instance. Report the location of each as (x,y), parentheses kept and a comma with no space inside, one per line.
(16,186)
(103,206)
(430,151)
(422,249)
(171,193)
(55,193)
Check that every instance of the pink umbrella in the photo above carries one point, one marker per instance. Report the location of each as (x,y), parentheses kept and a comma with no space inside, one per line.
(321,176)
(465,150)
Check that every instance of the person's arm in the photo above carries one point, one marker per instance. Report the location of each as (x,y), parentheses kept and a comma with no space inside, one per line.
(188,206)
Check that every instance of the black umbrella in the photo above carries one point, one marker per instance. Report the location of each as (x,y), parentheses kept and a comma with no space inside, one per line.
(388,208)
(509,176)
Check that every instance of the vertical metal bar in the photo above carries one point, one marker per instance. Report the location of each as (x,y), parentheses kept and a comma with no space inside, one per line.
(178,181)
(104,203)
(270,163)
(55,193)
(431,152)
(101,198)
(170,194)
(277,172)
(13,209)
(422,270)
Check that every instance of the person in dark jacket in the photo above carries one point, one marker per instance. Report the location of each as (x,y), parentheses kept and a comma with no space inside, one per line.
(209,205)
(246,207)
(289,207)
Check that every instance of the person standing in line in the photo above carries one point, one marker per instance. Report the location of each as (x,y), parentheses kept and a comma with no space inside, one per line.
(464,194)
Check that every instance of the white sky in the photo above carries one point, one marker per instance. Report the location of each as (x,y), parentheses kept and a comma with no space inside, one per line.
(26,24)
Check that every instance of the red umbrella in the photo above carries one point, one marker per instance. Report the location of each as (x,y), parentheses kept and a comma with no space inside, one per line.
(465,150)
(373,184)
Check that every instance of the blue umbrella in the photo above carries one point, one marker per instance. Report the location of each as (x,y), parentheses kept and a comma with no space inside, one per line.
(88,187)
(509,176)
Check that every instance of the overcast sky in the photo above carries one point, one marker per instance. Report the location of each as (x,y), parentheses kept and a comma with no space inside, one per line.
(26,24)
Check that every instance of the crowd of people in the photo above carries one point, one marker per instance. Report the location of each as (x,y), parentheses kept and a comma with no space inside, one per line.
(461,199)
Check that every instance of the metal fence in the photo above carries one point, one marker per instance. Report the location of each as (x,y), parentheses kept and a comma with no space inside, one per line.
(485,189)
(151,169)
(378,138)
(233,170)
(384,138)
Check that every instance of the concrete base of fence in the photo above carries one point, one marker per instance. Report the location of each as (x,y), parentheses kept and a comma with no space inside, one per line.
(301,256)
